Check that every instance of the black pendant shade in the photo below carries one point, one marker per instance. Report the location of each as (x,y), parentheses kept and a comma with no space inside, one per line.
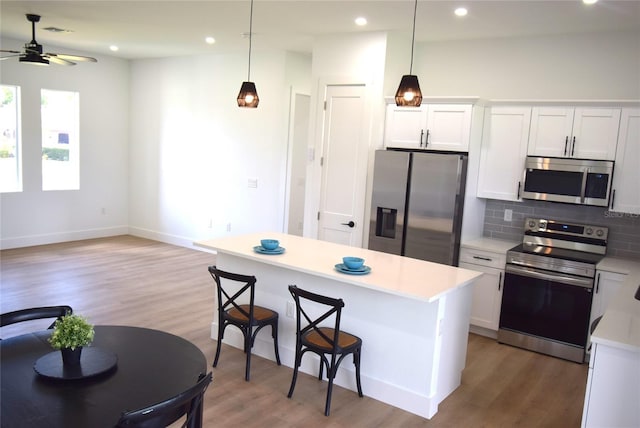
(409,94)
(248,96)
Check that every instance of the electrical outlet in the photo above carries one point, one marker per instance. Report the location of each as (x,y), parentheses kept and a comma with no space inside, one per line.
(290,309)
(508,215)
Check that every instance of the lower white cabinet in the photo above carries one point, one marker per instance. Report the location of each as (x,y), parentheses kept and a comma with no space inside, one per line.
(606,285)
(613,388)
(487,292)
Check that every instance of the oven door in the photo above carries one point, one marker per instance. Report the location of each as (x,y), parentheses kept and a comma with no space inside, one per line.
(547,306)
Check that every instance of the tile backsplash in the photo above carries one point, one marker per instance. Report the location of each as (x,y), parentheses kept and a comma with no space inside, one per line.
(624,229)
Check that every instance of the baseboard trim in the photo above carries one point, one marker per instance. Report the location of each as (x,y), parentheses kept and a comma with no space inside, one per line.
(54,238)
(180,241)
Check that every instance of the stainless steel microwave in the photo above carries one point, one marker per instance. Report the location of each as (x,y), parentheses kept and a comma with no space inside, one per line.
(573,181)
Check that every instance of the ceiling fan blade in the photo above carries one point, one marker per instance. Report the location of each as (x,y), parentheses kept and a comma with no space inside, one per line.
(72,57)
(7,51)
(57,60)
(9,56)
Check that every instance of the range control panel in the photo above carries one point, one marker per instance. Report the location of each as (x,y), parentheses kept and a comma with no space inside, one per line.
(562,230)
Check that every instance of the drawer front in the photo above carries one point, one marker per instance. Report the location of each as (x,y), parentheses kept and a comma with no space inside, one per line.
(483,258)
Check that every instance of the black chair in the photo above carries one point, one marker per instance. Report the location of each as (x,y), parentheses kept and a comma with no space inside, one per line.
(230,286)
(165,413)
(323,341)
(34,314)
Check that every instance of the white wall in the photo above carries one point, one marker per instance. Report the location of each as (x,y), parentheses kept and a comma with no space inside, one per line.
(344,59)
(585,66)
(193,150)
(35,217)
(166,151)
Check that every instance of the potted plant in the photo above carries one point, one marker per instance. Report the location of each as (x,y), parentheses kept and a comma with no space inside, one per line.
(70,334)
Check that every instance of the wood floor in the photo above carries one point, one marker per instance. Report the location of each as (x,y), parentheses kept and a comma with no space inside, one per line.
(132,281)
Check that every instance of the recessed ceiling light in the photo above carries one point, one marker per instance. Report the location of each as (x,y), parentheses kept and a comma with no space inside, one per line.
(461,11)
(114,48)
(210,40)
(361,21)
(589,1)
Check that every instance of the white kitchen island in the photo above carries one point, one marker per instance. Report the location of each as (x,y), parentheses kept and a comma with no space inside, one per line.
(412,315)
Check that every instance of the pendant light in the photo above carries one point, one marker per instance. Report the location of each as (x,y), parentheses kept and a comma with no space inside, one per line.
(248,96)
(409,94)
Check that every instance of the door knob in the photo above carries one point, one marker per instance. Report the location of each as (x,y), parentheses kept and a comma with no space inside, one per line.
(350,224)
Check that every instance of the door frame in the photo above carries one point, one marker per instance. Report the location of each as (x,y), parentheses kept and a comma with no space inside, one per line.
(293,93)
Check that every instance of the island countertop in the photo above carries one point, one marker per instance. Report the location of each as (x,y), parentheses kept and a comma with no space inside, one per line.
(402,276)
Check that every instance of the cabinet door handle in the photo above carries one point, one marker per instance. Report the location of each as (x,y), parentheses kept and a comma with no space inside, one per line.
(500,281)
(421,135)
(613,197)
(598,283)
(426,140)
(566,143)
(573,146)
(483,258)
(518,195)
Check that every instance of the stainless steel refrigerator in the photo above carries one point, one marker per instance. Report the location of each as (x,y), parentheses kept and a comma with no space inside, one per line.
(417,203)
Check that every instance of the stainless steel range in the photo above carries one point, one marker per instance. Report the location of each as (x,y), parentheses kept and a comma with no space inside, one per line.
(548,287)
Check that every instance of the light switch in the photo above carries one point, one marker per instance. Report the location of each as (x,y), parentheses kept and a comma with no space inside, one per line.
(252,183)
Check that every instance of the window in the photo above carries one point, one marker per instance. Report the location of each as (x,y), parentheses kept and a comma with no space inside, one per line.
(10,153)
(60,140)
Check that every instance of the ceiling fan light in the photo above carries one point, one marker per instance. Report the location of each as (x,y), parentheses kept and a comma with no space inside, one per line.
(34,59)
(248,95)
(409,93)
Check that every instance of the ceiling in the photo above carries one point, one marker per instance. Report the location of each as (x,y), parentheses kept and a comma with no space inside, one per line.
(148,29)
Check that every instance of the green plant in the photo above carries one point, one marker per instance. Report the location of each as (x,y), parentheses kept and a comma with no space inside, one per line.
(55,154)
(71,331)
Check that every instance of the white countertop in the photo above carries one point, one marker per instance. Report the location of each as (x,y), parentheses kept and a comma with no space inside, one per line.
(490,244)
(393,274)
(618,265)
(620,324)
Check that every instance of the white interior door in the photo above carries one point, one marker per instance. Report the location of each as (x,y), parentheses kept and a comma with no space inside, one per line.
(344,165)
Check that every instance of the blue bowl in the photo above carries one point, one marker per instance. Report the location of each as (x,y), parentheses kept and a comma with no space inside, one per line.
(353,262)
(269,244)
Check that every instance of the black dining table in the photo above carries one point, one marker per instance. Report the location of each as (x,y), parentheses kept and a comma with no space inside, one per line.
(150,366)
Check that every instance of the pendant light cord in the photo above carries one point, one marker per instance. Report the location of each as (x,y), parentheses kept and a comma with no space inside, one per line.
(250,33)
(413,37)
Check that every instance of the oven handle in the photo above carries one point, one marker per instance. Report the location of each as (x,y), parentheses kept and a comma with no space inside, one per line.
(555,277)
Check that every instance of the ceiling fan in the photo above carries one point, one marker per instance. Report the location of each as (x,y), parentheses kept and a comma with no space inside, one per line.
(33,54)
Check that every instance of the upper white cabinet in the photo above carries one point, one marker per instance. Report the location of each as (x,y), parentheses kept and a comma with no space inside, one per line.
(581,132)
(503,152)
(626,175)
(428,127)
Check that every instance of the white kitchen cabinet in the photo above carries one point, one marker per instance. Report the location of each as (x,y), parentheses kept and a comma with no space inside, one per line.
(503,152)
(613,388)
(625,191)
(428,127)
(581,132)
(487,292)
(606,286)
